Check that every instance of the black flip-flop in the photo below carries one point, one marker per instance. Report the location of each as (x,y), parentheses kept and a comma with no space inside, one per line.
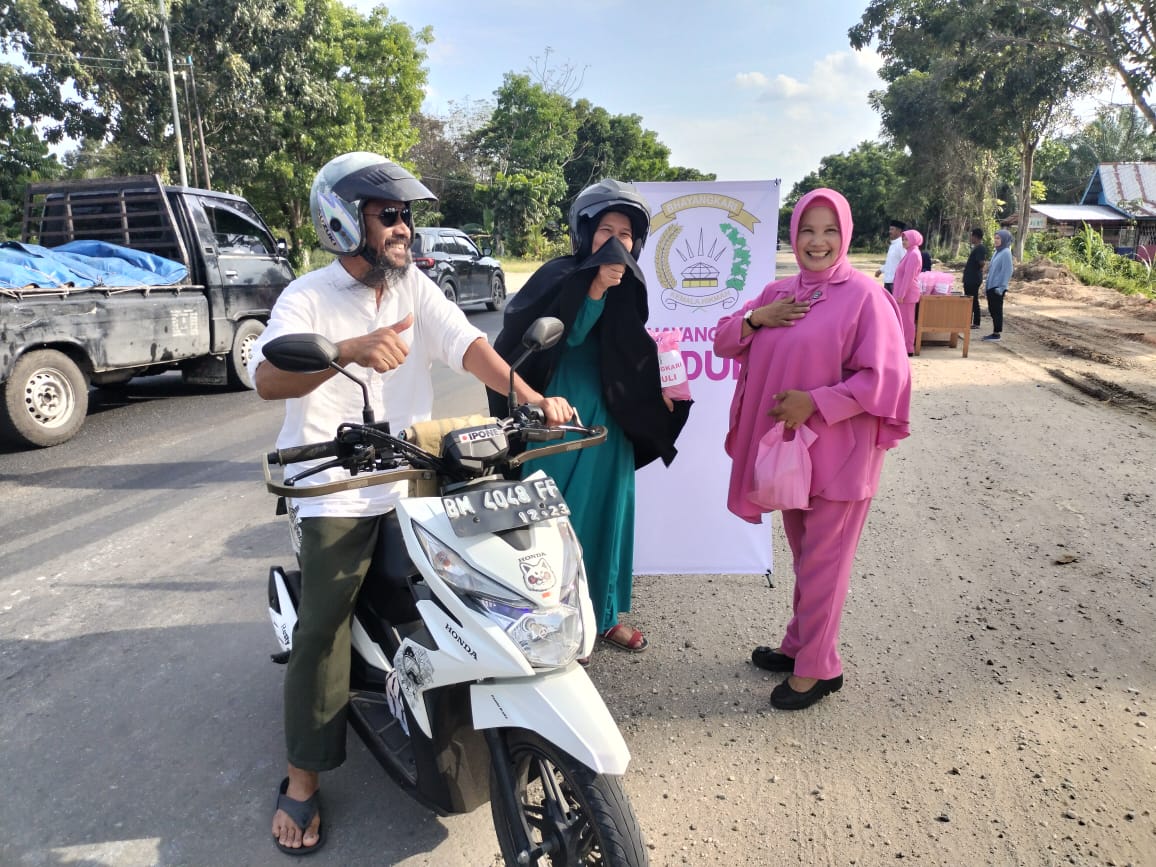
(302,813)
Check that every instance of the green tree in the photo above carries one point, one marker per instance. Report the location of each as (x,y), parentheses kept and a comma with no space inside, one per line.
(23,158)
(867,176)
(945,178)
(297,86)
(1118,34)
(997,92)
(449,165)
(1118,133)
(536,136)
(45,82)
(618,146)
(531,128)
(283,86)
(522,202)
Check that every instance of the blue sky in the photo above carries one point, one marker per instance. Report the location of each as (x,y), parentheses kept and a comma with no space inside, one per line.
(747,89)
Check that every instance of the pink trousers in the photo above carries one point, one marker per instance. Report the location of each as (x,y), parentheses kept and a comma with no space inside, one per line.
(823,541)
(907,320)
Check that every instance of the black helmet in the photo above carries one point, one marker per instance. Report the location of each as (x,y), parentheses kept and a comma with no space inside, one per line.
(344,184)
(608,195)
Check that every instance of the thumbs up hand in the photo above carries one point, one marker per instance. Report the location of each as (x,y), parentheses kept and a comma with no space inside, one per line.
(381,350)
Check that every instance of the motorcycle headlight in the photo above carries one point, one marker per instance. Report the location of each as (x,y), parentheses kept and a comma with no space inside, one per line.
(548,636)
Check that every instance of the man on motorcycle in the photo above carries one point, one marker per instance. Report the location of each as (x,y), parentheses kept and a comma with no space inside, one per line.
(391,321)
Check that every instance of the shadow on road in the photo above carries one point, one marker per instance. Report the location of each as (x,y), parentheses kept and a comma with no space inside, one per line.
(129,749)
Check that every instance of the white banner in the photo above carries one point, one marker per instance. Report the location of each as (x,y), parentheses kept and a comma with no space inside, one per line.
(711,248)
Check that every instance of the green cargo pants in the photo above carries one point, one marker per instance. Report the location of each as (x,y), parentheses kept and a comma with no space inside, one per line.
(335,555)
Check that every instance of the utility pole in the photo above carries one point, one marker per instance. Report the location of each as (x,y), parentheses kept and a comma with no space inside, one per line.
(189,123)
(173,97)
(200,128)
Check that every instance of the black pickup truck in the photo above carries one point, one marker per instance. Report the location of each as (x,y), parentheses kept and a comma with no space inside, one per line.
(57,341)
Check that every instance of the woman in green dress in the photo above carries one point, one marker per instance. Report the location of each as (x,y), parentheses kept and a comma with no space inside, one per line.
(607,367)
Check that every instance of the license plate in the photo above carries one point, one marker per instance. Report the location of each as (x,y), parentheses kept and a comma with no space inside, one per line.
(491,507)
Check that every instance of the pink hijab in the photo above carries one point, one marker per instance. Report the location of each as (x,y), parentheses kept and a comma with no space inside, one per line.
(810,281)
(906,286)
(914,239)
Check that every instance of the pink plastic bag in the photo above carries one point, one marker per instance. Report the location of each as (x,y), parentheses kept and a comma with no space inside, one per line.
(671,367)
(936,283)
(783,469)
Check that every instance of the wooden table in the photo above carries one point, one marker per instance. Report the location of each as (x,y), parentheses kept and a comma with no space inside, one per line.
(944,314)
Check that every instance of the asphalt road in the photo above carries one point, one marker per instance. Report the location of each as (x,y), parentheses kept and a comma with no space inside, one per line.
(139,712)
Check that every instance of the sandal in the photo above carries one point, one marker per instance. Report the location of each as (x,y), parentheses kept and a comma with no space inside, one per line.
(302,813)
(635,643)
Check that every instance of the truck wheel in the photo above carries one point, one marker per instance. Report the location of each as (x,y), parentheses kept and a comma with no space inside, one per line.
(243,341)
(45,399)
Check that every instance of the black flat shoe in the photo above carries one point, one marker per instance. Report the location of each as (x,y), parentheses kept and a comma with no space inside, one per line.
(769,659)
(785,698)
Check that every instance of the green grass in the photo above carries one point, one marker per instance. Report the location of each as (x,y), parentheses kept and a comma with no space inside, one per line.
(521,266)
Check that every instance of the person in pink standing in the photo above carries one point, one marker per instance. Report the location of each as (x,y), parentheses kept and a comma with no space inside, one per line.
(824,348)
(906,289)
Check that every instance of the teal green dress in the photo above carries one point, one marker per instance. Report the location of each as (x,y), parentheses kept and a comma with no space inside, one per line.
(597,482)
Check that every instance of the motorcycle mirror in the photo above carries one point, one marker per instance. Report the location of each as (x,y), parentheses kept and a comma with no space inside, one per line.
(312,353)
(301,353)
(542,334)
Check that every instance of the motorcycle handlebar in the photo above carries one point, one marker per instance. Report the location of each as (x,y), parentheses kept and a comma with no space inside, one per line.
(341,449)
(309,452)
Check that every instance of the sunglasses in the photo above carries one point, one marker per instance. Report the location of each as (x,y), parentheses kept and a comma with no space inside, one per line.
(389,216)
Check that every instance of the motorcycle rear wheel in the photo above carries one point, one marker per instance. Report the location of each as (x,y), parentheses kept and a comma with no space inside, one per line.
(571,815)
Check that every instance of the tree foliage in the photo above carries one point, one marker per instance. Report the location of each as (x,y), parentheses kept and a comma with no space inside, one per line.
(868,176)
(23,158)
(1117,134)
(944,179)
(523,203)
(1118,34)
(282,86)
(49,39)
(997,93)
(536,136)
(531,128)
(269,90)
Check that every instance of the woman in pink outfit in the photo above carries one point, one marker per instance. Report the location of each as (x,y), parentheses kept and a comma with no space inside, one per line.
(823,348)
(906,289)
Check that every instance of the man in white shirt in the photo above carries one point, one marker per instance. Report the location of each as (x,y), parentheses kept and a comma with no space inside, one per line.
(894,253)
(389,323)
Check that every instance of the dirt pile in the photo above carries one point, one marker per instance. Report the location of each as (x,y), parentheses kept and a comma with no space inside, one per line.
(1091,337)
(1046,279)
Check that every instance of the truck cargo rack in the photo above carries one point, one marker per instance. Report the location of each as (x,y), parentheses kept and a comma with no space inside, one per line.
(131,211)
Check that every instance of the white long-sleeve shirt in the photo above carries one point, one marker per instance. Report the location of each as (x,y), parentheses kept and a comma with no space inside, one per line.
(894,257)
(332,303)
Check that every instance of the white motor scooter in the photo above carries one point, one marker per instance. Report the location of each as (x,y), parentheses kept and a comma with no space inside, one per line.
(465,683)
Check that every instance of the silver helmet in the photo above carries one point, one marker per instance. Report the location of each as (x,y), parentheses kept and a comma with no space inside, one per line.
(344,184)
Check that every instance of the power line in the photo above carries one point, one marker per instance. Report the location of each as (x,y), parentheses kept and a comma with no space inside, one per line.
(98,62)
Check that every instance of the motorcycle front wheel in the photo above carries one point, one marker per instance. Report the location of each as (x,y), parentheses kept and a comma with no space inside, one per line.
(571,815)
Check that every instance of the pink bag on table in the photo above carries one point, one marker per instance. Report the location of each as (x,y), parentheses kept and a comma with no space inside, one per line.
(783,469)
(671,367)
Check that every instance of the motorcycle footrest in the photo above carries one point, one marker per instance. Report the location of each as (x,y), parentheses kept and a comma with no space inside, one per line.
(372,711)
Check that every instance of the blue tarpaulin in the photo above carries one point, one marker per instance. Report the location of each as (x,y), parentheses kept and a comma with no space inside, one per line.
(84,265)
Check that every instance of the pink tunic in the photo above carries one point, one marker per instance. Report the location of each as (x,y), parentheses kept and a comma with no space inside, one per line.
(848,353)
(906,286)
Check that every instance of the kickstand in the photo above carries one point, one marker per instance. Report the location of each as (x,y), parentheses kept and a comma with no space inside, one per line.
(770,579)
